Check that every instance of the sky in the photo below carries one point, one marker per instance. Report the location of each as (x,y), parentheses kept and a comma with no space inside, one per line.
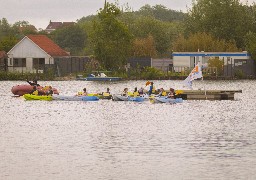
(40,12)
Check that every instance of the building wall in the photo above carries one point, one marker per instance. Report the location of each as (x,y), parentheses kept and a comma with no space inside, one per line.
(29,50)
(162,64)
(190,59)
(141,62)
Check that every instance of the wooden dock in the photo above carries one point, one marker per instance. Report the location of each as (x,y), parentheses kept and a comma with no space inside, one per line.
(209,94)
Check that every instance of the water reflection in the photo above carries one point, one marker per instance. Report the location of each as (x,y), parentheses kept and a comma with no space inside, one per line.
(127,140)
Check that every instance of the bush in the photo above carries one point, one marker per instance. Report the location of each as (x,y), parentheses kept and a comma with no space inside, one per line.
(239,74)
(49,75)
(152,73)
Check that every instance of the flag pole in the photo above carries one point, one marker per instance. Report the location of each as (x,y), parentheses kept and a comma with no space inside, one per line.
(203,83)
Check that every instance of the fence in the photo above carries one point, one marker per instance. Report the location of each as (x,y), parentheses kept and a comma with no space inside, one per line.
(61,66)
(74,64)
(185,71)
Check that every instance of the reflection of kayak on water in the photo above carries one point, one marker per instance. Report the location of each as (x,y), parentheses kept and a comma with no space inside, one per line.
(22,89)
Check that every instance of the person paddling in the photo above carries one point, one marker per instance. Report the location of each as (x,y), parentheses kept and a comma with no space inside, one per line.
(34,91)
(33,83)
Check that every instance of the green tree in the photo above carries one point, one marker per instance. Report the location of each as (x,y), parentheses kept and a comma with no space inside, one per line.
(159,30)
(203,42)
(225,19)
(144,47)
(111,38)
(5,28)
(251,44)
(216,62)
(161,13)
(71,38)
(7,43)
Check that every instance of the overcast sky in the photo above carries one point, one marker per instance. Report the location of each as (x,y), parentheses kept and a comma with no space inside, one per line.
(40,12)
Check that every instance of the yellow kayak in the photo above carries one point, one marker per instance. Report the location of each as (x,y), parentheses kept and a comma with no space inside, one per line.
(37,97)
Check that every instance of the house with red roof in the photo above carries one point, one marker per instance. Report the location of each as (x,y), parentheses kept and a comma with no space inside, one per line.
(52,26)
(34,53)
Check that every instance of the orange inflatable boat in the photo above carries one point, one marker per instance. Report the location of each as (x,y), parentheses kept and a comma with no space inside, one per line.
(22,89)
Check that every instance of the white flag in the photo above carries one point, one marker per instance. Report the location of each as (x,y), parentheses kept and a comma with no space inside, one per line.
(196,73)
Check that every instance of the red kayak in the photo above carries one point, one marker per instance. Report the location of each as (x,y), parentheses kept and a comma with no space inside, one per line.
(22,89)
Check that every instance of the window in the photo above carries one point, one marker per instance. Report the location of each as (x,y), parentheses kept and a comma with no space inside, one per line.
(19,62)
(38,63)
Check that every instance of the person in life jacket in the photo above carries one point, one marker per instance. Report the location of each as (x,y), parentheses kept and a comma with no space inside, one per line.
(140,91)
(34,91)
(107,93)
(84,93)
(125,92)
(135,92)
(50,91)
(171,94)
(162,92)
(152,88)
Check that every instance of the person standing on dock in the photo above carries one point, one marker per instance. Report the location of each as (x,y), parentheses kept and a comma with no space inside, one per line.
(151,88)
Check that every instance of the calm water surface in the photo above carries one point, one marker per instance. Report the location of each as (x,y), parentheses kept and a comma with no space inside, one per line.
(125,140)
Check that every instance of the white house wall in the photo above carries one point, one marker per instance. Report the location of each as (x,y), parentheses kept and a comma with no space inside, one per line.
(181,61)
(29,50)
(26,48)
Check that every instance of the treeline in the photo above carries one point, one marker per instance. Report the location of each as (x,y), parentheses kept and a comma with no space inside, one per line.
(117,33)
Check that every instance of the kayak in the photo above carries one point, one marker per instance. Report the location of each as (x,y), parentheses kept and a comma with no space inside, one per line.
(116,97)
(90,98)
(74,98)
(164,99)
(37,97)
(101,95)
(136,99)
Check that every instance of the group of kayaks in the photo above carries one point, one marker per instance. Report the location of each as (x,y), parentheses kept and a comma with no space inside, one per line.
(22,90)
(151,98)
(90,97)
(96,97)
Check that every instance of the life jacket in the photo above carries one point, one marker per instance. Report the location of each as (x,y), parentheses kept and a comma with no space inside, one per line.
(164,93)
(106,94)
(154,89)
(35,92)
(135,94)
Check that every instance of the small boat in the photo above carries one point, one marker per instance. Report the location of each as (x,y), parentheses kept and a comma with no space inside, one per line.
(22,89)
(164,99)
(37,97)
(74,98)
(100,77)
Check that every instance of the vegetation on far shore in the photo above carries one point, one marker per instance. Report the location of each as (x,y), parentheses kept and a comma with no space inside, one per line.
(118,33)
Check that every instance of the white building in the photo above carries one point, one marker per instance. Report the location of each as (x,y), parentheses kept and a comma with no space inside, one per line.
(33,53)
(190,59)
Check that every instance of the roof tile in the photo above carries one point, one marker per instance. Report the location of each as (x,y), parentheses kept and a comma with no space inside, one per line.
(47,45)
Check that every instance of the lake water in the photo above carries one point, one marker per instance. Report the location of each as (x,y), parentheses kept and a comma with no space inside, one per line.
(109,140)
